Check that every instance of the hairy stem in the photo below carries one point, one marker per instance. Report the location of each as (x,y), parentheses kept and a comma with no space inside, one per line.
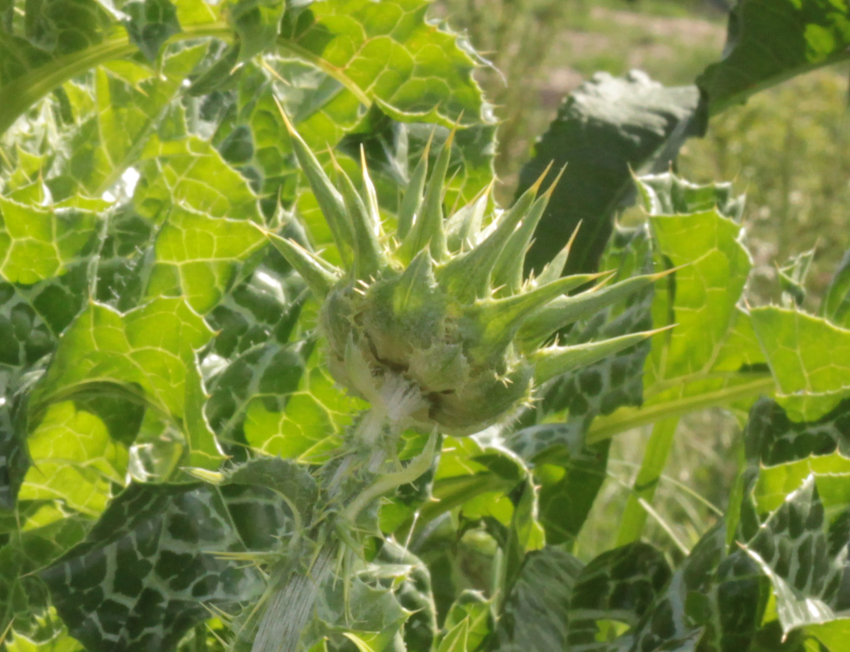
(290,609)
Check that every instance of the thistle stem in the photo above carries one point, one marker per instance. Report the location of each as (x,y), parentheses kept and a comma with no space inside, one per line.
(290,607)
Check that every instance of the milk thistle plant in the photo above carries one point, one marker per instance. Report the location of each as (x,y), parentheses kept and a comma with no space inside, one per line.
(299,384)
(437,328)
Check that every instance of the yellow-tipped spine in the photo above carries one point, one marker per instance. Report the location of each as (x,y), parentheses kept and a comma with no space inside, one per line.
(428,229)
(368,255)
(557,360)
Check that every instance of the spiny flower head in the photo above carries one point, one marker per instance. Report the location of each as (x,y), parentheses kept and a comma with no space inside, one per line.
(442,302)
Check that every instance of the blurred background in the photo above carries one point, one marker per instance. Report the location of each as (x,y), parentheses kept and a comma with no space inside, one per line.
(785,149)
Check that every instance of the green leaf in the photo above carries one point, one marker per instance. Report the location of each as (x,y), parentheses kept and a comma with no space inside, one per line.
(569,477)
(620,585)
(792,278)
(788,452)
(413,593)
(570,470)
(371,612)
(31,318)
(360,643)
(668,194)
(191,172)
(163,539)
(271,369)
(197,256)
(714,601)
(256,22)
(456,639)
(712,338)
(431,77)
(791,548)
(655,456)
(832,634)
(73,460)
(536,611)
(38,243)
(147,351)
(714,270)
(605,129)
(837,298)
(808,357)
(72,26)
(471,607)
(601,388)
(771,42)
(113,119)
(151,24)
(307,421)
(50,532)
(477,478)
(798,513)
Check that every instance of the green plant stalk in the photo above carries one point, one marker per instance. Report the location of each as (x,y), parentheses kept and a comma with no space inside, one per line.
(295,586)
(626,419)
(654,460)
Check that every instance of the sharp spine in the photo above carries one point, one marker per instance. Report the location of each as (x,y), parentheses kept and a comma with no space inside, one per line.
(557,360)
(412,200)
(330,200)
(468,276)
(500,319)
(564,311)
(428,229)
(312,269)
(368,255)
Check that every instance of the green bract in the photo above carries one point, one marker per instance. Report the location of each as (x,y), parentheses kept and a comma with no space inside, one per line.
(442,303)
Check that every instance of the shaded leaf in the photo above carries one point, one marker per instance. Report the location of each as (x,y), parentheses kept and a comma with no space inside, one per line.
(618,585)
(770,42)
(151,23)
(791,549)
(256,22)
(164,539)
(788,452)
(604,130)
(536,611)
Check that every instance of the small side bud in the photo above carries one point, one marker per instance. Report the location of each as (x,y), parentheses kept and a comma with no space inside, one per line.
(416,285)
